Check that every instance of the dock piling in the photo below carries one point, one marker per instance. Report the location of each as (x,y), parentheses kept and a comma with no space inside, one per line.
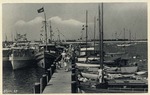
(49,73)
(36,88)
(43,82)
(73,77)
(53,68)
(74,87)
(41,85)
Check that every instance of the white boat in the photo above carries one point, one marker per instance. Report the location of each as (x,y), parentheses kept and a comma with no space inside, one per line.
(87,65)
(123,70)
(124,45)
(89,76)
(6,53)
(21,57)
(141,72)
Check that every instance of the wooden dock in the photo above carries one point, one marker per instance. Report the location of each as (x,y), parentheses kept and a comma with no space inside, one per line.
(59,83)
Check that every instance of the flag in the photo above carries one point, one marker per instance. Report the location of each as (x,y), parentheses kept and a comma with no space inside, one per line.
(40,10)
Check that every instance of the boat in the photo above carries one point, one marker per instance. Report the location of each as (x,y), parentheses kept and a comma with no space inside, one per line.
(125,44)
(45,58)
(47,52)
(6,53)
(21,57)
(115,86)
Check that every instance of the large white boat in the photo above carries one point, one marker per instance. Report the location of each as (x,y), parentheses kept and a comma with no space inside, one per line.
(6,53)
(21,57)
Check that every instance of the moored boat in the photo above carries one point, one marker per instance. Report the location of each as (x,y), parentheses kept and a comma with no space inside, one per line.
(6,53)
(21,57)
(45,58)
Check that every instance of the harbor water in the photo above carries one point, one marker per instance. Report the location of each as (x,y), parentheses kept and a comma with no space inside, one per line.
(22,81)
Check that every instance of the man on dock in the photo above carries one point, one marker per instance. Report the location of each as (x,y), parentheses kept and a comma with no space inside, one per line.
(100,75)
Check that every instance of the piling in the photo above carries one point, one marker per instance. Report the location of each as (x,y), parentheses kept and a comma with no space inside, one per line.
(53,68)
(74,87)
(43,82)
(73,77)
(73,65)
(44,79)
(73,70)
(47,78)
(41,85)
(49,73)
(36,88)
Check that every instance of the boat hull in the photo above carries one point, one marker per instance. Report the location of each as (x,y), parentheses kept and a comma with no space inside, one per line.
(21,62)
(95,90)
(6,53)
(44,59)
(87,88)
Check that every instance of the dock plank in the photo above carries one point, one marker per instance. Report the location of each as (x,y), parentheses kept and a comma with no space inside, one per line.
(59,83)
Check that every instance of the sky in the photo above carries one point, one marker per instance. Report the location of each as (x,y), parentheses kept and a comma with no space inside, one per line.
(68,19)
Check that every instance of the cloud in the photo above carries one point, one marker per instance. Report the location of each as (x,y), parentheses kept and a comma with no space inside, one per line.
(71,22)
(70,28)
(37,20)
(34,21)
(20,23)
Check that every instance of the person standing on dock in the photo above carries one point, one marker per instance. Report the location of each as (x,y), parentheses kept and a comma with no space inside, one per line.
(63,55)
(63,58)
(65,65)
(100,75)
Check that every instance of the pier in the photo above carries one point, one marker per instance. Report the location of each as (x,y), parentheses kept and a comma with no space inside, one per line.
(59,83)
(59,78)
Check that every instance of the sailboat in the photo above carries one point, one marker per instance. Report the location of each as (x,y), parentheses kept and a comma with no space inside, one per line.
(46,53)
(100,83)
(125,44)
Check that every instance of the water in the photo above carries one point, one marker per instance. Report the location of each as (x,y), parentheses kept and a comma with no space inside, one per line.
(20,81)
(139,50)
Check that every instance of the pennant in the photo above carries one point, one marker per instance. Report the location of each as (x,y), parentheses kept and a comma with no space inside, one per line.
(40,10)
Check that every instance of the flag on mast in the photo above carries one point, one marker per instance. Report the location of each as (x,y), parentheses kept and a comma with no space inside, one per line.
(40,10)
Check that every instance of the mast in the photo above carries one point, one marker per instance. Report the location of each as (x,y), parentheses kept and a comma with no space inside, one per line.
(101,39)
(5,38)
(94,32)
(86,27)
(130,36)
(58,35)
(116,36)
(12,38)
(135,37)
(124,35)
(50,32)
(45,29)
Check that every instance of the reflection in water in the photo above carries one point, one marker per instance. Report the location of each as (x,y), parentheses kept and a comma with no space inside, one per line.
(20,81)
